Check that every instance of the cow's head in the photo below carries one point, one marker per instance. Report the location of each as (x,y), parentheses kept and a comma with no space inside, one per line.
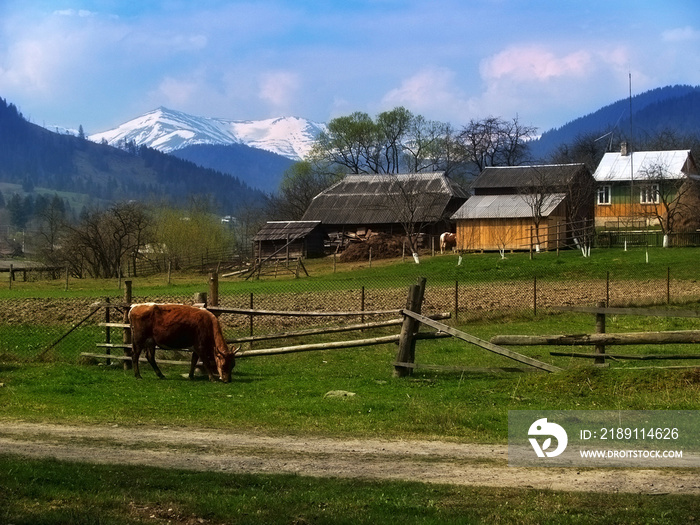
(225,362)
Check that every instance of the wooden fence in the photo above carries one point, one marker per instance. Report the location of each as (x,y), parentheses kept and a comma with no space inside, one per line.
(600,339)
(410,321)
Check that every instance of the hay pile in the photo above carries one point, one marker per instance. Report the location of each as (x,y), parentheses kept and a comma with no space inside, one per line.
(383,245)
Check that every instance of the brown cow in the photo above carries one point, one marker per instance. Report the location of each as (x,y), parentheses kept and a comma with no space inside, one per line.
(178,326)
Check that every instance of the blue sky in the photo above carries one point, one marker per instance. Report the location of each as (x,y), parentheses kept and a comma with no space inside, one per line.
(98,63)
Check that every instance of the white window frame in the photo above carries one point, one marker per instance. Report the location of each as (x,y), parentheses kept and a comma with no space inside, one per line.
(649,194)
(604,194)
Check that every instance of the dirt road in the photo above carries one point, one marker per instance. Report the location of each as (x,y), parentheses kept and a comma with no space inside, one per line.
(425,461)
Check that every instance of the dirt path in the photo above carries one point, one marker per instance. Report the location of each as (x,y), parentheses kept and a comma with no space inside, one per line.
(426,461)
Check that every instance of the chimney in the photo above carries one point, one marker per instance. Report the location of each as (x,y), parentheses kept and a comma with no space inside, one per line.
(623,149)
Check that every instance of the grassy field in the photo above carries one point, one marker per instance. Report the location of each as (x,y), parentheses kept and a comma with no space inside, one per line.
(51,492)
(637,264)
(285,395)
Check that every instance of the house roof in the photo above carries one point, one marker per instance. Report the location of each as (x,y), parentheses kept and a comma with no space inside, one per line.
(386,199)
(635,166)
(280,230)
(526,176)
(505,206)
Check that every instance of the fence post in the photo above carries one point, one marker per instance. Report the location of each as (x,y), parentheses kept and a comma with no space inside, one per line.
(607,288)
(251,317)
(534,297)
(362,304)
(600,329)
(407,341)
(668,285)
(126,335)
(108,332)
(214,289)
(456,300)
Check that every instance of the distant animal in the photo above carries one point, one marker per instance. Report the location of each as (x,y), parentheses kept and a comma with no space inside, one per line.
(178,326)
(447,240)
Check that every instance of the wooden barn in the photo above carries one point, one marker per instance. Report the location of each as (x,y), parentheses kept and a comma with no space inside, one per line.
(386,203)
(504,222)
(289,240)
(524,207)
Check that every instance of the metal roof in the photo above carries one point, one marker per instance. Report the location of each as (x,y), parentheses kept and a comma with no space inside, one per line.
(386,199)
(280,230)
(636,165)
(505,206)
(556,175)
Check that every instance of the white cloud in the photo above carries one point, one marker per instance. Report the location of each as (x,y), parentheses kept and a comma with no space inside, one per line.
(681,34)
(433,91)
(279,88)
(535,62)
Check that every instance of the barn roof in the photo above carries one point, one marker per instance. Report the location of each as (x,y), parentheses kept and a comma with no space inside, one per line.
(526,176)
(635,166)
(505,206)
(280,230)
(381,199)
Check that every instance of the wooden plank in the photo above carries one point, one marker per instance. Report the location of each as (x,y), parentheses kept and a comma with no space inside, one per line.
(476,369)
(630,338)
(319,346)
(115,325)
(334,329)
(483,344)
(245,311)
(643,357)
(646,312)
(128,358)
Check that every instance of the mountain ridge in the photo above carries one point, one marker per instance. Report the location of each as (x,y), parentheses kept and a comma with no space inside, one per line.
(168,130)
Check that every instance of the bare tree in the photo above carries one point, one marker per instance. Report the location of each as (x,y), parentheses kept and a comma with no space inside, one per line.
(494,141)
(667,198)
(411,205)
(103,240)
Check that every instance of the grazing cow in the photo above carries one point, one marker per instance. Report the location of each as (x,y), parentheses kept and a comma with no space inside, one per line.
(178,326)
(448,240)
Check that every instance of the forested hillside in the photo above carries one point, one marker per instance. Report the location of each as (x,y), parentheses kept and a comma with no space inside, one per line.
(37,158)
(672,108)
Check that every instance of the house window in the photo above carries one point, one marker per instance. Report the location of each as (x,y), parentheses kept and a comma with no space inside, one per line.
(649,194)
(604,195)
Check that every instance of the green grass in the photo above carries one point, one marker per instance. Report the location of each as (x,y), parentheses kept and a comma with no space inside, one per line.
(51,492)
(440,269)
(285,394)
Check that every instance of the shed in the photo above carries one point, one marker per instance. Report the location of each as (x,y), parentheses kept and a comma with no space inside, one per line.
(387,203)
(507,199)
(289,240)
(504,222)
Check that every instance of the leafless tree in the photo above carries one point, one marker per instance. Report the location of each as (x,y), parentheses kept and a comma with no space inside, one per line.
(104,240)
(667,198)
(494,141)
(411,205)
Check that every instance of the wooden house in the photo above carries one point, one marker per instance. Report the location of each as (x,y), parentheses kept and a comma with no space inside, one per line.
(386,203)
(633,188)
(524,207)
(289,240)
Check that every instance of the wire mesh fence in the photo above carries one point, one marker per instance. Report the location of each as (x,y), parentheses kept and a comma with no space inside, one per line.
(61,328)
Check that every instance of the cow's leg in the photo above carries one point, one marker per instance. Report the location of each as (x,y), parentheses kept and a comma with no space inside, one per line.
(135,353)
(193,363)
(151,356)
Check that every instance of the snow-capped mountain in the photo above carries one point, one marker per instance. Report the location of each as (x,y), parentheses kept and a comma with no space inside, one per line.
(167,130)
